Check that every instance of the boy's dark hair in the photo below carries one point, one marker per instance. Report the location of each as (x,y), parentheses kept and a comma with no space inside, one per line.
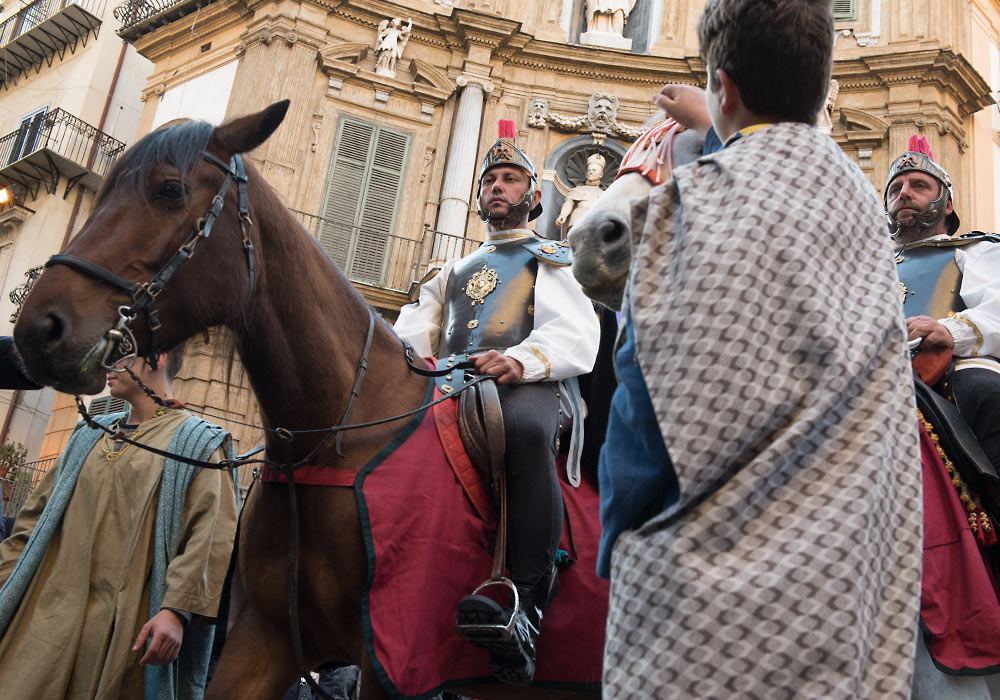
(175,360)
(779,53)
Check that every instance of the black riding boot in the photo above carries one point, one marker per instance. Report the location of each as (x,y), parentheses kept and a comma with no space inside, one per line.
(512,656)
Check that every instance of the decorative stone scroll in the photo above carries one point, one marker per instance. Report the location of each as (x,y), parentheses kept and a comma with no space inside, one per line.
(601,119)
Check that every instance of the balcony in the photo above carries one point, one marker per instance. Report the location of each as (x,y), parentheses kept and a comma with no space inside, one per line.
(42,30)
(140,17)
(56,144)
(384,266)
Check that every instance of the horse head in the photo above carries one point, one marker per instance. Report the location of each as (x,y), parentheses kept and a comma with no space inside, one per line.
(154,215)
(602,239)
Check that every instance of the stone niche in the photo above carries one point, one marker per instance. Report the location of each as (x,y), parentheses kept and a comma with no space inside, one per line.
(565,168)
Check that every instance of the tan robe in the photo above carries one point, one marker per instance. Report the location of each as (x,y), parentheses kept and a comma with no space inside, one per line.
(73,632)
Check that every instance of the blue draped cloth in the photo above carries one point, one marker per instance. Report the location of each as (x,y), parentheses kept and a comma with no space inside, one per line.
(643,481)
(637,478)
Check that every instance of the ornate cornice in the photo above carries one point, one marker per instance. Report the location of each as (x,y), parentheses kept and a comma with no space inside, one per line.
(334,57)
(949,72)
(290,30)
(160,41)
(463,28)
(602,64)
(861,129)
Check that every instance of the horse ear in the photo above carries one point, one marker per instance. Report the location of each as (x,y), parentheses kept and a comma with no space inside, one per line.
(246,133)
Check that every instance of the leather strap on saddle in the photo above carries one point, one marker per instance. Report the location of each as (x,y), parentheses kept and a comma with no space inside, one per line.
(480,423)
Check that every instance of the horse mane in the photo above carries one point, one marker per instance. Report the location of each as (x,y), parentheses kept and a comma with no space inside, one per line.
(177,143)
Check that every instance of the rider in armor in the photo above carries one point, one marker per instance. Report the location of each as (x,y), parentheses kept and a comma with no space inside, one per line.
(950,286)
(515,308)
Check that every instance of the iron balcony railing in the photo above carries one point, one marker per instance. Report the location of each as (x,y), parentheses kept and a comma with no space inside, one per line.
(138,17)
(17,482)
(134,11)
(382,259)
(66,145)
(28,38)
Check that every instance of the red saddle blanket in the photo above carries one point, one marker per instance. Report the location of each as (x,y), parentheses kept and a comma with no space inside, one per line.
(427,541)
(959,608)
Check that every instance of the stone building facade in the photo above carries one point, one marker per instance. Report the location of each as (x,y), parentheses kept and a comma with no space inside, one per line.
(380,163)
(69,105)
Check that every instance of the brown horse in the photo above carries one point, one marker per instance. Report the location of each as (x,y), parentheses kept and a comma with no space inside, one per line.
(299,333)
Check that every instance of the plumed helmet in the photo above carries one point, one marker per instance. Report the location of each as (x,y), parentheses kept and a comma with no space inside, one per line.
(919,158)
(505,152)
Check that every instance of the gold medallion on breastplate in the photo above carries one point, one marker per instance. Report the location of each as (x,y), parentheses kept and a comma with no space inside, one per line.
(481,284)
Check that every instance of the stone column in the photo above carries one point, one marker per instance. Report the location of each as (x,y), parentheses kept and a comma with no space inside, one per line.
(460,169)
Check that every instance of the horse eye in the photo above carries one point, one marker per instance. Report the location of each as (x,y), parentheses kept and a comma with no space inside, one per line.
(169,190)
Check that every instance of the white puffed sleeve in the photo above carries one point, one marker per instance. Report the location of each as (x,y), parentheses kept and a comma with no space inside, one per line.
(419,323)
(977,329)
(566,336)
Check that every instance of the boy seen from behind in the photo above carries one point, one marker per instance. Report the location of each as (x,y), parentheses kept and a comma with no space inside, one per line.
(768,543)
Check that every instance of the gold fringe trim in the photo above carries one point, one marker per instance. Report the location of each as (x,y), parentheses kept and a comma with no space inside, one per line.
(977,518)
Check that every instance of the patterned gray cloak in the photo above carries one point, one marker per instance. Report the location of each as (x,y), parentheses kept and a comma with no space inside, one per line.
(769,331)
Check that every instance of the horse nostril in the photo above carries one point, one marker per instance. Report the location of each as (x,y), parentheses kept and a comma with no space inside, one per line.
(53,328)
(610,231)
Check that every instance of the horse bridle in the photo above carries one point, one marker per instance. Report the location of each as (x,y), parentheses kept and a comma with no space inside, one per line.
(122,345)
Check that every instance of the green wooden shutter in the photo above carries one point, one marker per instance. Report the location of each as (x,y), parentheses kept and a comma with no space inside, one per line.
(845,10)
(362,198)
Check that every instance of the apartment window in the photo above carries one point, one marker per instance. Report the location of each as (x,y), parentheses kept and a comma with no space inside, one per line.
(845,10)
(362,198)
(32,15)
(25,139)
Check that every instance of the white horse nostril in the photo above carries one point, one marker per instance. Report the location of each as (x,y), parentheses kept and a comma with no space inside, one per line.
(610,231)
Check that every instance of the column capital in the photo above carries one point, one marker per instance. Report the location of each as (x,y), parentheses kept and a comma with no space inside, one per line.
(468,79)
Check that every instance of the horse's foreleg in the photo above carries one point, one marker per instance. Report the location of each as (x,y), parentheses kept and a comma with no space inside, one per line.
(255,663)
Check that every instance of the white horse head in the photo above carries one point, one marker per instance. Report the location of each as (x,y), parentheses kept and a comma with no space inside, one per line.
(602,239)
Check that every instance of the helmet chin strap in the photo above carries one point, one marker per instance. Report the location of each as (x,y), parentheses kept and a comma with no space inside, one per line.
(932,215)
(519,209)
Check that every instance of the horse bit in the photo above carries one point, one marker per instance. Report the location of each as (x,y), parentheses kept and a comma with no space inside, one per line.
(122,345)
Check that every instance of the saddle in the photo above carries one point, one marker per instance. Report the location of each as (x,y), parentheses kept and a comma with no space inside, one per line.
(480,422)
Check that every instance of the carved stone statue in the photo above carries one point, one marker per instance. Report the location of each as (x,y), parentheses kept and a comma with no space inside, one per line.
(581,198)
(537,109)
(825,118)
(608,16)
(389,45)
(602,112)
